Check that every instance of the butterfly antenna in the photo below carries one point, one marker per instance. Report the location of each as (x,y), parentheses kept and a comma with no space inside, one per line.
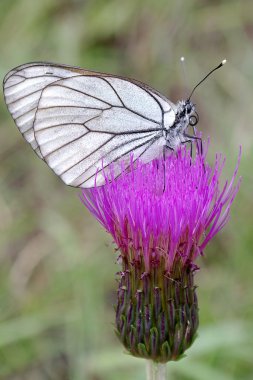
(202,80)
(182,61)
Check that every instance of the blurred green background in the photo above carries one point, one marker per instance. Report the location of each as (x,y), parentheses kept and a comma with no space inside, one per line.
(57,265)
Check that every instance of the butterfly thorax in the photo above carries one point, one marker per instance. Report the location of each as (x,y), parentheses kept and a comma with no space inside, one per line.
(185,116)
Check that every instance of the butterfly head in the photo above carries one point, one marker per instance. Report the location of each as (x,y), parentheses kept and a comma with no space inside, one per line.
(186,115)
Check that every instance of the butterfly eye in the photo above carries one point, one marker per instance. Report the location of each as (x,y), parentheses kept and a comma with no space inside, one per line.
(193,120)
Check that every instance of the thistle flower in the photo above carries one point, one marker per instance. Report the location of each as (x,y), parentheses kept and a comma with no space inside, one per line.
(161,216)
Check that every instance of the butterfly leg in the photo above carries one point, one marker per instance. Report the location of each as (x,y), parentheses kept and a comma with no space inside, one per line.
(191,138)
(186,142)
(199,140)
(164,164)
(165,147)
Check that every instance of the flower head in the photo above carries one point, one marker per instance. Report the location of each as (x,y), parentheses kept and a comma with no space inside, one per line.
(170,209)
(161,216)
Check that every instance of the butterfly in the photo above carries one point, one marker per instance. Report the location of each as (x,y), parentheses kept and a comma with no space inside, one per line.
(80,121)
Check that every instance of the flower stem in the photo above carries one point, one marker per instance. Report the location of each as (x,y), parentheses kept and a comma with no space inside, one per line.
(156,371)
(149,370)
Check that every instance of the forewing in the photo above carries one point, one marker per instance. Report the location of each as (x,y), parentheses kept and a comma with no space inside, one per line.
(22,90)
(84,123)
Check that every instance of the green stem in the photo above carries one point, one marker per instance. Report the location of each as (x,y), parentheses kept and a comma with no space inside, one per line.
(155,371)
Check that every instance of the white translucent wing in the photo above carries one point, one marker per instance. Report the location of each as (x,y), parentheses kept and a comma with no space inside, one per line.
(22,91)
(84,123)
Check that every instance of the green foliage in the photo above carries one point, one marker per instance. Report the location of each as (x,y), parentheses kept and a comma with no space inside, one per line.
(57,284)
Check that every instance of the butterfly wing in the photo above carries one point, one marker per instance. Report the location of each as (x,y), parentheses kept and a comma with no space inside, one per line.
(80,121)
(22,90)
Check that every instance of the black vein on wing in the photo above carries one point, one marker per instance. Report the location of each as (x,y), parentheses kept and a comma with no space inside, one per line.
(105,155)
(24,113)
(50,84)
(152,140)
(134,131)
(149,144)
(67,124)
(30,93)
(15,84)
(113,91)
(25,96)
(42,65)
(15,72)
(101,100)
(73,106)
(160,105)
(88,155)
(79,91)
(62,146)
(59,125)
(57,77)
(141,87)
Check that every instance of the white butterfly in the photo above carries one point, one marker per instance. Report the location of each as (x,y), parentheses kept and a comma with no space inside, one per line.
(80,121)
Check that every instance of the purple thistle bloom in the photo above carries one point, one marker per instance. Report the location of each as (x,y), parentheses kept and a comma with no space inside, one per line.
(161,216)
(174,211)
